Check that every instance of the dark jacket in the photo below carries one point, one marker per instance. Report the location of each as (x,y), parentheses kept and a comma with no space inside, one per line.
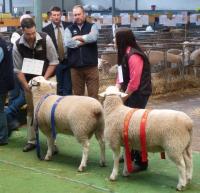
(85,55)
(49,29)
(145,87)
(39,52)
(6,69)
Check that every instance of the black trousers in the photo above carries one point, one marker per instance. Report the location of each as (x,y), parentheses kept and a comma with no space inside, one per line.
(137,100)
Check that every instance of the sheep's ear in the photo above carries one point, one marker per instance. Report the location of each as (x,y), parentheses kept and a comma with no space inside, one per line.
(103,94)
(33,82)
(123,95)
(53,84)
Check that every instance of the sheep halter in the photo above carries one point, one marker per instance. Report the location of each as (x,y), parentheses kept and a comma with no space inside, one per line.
(126,144)
(53,129)
(43,98)
(142,139)
(143,136)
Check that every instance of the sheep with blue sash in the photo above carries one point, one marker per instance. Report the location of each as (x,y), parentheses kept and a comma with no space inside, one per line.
(80,116)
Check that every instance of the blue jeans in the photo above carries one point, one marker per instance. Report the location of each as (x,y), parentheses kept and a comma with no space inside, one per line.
(63,77)
(16,101)
(3,122)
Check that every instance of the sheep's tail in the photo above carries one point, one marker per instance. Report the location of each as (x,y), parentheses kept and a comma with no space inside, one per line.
(98,112)
(189,124)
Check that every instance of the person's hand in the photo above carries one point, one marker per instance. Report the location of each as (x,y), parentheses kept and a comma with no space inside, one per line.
(124,99)
(118,86)
(27,88)
(79,38)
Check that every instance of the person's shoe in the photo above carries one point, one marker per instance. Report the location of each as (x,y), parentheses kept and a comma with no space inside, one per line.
(141,167)
(29,147)
(3,143)
(13,125)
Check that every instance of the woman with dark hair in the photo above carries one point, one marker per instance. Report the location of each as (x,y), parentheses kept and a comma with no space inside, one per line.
(136,77)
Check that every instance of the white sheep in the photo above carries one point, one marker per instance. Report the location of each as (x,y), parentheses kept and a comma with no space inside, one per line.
(155,57)
(29,100)
(195,57)
(80,116)
(166,130)
(158,57)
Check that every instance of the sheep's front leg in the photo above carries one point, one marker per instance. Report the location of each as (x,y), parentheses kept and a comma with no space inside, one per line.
(116,156)
(50,144)
(83,164)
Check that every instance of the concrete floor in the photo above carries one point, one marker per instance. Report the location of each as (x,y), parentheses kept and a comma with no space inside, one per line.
(188,102)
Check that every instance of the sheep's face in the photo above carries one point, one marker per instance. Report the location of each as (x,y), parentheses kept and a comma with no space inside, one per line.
(40,84)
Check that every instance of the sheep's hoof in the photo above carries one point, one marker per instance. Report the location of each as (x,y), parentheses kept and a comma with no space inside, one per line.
(48,158)
(180,188)
(81,168)
(189,181)
(102,164)
(112,178)
(125,173)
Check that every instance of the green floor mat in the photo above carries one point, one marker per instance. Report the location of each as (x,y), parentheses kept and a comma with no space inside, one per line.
(23,173)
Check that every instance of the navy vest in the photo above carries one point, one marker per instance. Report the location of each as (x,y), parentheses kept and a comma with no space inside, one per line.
(86,55)
(145,87)
(39,52)
(6,69)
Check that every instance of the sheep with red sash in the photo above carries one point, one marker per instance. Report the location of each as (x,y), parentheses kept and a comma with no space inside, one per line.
(160,130)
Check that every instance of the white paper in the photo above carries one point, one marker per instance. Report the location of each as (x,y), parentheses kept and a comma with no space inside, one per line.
(125,19)
(193,18)
(181,18)
(120,74)
(145,19)
(107,19)
(164,20)
(136,22)
(170,22)
(32,66)
(3,29)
